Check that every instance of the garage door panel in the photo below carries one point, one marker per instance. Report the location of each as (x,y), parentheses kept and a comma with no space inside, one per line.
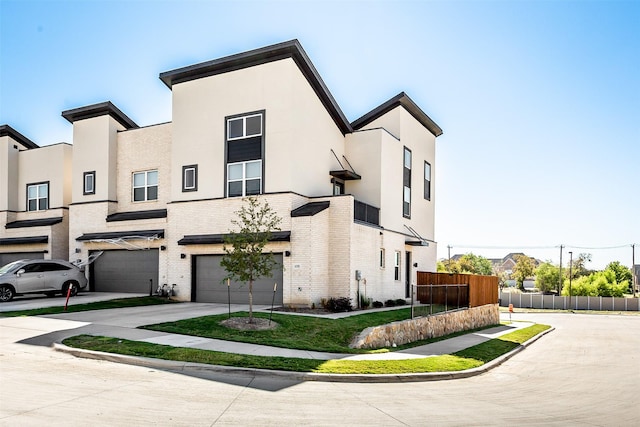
(212,287)
(125,271)
(14,256)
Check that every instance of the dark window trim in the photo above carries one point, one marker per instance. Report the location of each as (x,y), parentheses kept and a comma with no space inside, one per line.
(195,178)
(427,184)
(404,171)
(84,183)
(37,203)
(262,149)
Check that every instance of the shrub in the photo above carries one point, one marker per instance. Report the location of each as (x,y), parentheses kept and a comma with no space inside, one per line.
(339,305)
(364,302)
(390,303)
(400,301)
(377,304)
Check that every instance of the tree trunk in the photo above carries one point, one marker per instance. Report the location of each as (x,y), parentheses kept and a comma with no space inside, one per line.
(250,301)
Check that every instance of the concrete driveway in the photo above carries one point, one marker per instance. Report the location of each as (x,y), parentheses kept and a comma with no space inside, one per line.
(584,373)
(30,302)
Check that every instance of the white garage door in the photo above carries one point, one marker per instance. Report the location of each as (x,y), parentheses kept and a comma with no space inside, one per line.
(125,271)
(210,285)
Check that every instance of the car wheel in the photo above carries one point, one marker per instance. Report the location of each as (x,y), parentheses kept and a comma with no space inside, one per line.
(6,293)
(74,290)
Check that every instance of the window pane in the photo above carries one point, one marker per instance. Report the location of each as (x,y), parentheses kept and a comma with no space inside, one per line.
(152,192)
(42,190)
(407,159)
(42,204)
(427,171)
(254,169)
(32,191)
(88,183)
(253,187)
(235,172)
(407,195)
(152,178)
(32,205)
(189,178)
(235,188)
(138,179)
(254,125)
(235,128)
(138,194)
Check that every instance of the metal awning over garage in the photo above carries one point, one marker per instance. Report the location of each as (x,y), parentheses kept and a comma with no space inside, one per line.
(144,234)
(212,239)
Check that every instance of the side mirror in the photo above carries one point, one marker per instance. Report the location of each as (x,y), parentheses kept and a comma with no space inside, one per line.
(20,272)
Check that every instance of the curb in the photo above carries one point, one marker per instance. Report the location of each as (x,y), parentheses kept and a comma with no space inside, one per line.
(177,366)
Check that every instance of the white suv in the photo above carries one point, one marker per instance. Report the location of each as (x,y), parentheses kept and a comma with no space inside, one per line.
(31,276)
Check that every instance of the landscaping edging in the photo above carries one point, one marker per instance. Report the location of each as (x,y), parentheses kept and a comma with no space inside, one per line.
(422,328)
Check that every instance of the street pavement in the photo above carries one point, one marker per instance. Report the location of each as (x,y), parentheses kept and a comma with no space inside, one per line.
(586,372)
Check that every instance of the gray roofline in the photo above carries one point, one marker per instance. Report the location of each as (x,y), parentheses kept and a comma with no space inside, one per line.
(6,130)
(402,99)
(289,49)
(97,110)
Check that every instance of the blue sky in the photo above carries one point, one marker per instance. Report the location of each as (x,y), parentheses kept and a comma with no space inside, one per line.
(539,100)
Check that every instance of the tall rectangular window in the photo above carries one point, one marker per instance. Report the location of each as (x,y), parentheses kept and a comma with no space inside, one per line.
(190,178)
(38,196)
(406,182)
(89,182)
(382,256)
(396,265)
(244,155)
(145,186)
(427,181)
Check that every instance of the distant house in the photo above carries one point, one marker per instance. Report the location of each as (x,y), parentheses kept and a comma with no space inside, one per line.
(636,276)
(506,264)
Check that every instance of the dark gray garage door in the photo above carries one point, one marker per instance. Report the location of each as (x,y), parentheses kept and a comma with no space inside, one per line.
(209,286)
(7,258)
(125,271)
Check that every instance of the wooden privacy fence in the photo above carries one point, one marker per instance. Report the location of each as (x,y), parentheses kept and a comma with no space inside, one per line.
(482,289)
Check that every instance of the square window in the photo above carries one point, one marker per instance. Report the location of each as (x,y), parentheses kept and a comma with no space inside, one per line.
(145,186)
(37,197)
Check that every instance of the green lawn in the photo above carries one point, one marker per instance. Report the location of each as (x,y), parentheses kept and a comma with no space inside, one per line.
(102,305)
(466,359)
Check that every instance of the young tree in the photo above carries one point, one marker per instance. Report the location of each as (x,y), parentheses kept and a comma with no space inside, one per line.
(244,259)
(524,268)
(547,276)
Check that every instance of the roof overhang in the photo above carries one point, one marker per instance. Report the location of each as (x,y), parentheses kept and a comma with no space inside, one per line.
(42,222)
(24,240)
(134,215)
(290,49)
(97,110)
(310,209)
(400,100)
(214,239)
(6,130)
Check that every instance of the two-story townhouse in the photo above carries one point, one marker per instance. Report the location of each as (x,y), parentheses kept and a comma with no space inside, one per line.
(356,199)
(35,191)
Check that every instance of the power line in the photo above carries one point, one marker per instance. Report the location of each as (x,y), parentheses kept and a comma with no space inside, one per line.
(541,247)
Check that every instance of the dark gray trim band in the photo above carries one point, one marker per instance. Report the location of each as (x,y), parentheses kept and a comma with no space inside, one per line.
(33,222)
(24,240)
(213,239)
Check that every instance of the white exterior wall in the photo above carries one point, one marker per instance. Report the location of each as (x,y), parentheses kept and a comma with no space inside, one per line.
(299,133)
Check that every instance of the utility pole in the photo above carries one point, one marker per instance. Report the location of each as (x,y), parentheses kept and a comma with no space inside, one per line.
(449,254)
(634,276)
(570,273)
(560,272)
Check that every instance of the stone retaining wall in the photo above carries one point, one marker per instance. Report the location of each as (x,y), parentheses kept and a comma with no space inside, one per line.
(422,328)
